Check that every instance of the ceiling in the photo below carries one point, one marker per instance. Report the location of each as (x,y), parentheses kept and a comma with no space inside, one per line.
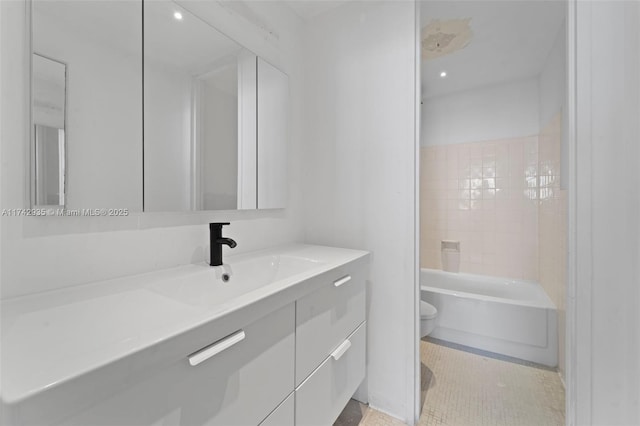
(187,45)
(510,40)
(109,23)
(308,9)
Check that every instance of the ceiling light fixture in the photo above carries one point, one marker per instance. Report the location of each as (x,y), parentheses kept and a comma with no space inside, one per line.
(443,74)
(177,15)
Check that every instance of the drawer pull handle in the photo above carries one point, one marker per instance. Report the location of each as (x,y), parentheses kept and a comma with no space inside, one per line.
(215,348)
(337,354)
(342,280)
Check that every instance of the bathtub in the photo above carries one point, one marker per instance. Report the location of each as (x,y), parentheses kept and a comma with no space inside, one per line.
(509,317)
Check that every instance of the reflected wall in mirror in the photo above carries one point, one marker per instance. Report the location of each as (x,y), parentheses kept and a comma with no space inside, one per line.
(87,104)
(49,112)
(273,114)
(199,115)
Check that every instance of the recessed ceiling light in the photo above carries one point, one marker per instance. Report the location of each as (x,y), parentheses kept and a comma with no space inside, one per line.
(178,16)
(443,74)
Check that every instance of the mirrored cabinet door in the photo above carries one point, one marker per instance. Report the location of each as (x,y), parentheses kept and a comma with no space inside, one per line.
(199,115)
(49,122)
(273,124)
(186,120)
(86,150)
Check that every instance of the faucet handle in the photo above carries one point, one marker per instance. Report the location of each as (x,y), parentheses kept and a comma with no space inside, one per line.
(217,226)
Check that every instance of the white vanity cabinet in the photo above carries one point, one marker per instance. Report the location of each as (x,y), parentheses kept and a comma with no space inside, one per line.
(283,415)
(330,346)
(184,347)
(327,316)
(324,394)
(241,384)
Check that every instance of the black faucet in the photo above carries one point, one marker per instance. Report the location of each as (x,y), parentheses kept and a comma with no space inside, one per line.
(216,240)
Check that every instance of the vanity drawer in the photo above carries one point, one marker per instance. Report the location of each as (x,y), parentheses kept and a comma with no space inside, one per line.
(327,316)
(324,394)
(241,384)
(284,415)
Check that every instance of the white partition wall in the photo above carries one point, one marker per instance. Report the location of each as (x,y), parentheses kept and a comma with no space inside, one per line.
(359,174)
(603,371)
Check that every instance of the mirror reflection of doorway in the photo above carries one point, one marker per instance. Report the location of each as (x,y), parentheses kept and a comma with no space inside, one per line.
(49,117)
(49,165)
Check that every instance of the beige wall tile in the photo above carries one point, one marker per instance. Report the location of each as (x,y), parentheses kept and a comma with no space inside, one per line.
(483,184)
(502,200)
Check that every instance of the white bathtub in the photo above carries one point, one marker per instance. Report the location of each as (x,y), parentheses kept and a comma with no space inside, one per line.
(501,315)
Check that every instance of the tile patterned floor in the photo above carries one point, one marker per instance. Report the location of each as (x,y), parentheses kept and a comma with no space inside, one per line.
(472,388)
(356,414)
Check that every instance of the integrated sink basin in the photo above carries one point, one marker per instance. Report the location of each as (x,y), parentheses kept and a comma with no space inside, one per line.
(55,338)
(207,286)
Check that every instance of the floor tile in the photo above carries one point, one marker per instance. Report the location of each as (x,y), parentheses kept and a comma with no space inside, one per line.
(465,387)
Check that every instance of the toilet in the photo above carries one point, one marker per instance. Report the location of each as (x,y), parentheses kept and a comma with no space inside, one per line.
(428,314)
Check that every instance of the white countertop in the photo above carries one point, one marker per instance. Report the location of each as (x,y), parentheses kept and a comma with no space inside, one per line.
(53,337)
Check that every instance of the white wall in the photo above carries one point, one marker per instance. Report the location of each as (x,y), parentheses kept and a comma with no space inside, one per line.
(41,254)
(167,138)
(360,173)
(552,80)
(553,96)
(503,111)
(607,287)
(219,146)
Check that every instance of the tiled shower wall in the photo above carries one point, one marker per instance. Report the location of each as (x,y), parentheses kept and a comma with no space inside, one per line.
(552,225)
(484,194)
(503,201)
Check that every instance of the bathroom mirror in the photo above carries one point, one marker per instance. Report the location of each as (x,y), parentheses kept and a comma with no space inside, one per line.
(197,123)
(204,148)
(199,117)
(49,112)
(86,108)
